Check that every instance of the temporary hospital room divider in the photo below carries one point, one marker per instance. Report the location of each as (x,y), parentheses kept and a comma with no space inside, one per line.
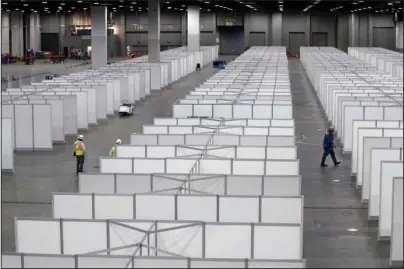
(211,190)
(147,151)
(58,134)
(226,122)
(31,125)
(365,100)
(203,207)
(23,260)
(202,239)
(7,145)
(383,59)
(80,103)
(376,143)
(194,183)
(220,139)
(209,165)
(396,243)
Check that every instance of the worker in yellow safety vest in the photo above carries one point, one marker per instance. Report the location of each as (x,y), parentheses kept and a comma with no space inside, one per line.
(112,152)
(79,150)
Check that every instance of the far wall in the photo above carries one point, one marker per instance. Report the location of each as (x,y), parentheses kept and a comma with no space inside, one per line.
(283,29)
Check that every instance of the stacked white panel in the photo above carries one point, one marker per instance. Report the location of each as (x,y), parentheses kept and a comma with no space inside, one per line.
(362,95)
(217,189)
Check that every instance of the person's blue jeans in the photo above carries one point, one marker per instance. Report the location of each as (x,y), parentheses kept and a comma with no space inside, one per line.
(80,163)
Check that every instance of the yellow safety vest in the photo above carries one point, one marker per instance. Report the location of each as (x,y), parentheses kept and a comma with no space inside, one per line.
(113,152)
(78,149)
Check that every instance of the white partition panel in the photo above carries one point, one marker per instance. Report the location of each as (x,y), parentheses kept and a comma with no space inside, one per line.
(396,243)
(46,238)
(77,207)
(215,184)
(11,260)
(378,156)
(23,260)
(218,139)
(228,208)
(42,127)
(364,132)
(357,143)
(31,261)
(224,240)
(24,127)
(7,147)
(368,144)
(281,153)
(389,170)
(204,166)
(112,165)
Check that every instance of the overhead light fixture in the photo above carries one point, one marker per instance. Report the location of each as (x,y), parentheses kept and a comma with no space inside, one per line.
(44,2)
(17,9)
(79,1)
(208,9)
(207,2)
(4,3)
(307,8)
(25,5)
(120,6)
(390,3)
(181,9)
(96,3)
(168,7)
(84,8)
(73,7)
(34,11)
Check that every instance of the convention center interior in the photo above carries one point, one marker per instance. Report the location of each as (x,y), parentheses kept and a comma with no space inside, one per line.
(201,134)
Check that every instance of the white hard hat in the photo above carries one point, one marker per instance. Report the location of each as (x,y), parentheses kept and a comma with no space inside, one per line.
(118,141)
(80,137)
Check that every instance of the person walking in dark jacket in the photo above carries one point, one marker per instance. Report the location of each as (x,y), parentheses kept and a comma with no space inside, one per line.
(328,146)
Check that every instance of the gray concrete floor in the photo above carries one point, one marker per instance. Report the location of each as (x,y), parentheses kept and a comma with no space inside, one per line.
(331,202)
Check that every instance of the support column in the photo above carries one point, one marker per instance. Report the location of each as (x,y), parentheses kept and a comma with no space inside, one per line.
(5,32)
(154,31)
(62,31)
(34,32)
(193,28)
(120,32)
(353,30)
(277,29)
(17,44)
(308,30)
(98,36)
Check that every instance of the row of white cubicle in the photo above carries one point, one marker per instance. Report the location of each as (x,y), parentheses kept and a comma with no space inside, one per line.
(365,103)
(196,190)
(36,116)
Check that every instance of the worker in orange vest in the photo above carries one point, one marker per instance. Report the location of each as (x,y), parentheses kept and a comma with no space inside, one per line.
(79,151)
